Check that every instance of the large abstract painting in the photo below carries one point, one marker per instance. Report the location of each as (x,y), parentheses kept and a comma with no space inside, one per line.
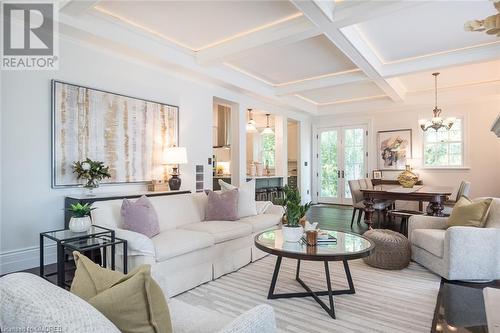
(126,133)
(394,147)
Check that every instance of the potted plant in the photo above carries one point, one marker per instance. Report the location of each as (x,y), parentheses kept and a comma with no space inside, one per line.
(80,217)
(92,171)
(294,212)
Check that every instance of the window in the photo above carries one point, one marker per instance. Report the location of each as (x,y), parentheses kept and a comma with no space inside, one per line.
(444,148)
(268,150)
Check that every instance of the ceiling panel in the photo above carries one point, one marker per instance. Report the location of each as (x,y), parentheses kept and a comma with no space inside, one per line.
(437,26)
(307,58)
(200,23)
(454,76)
(343,92)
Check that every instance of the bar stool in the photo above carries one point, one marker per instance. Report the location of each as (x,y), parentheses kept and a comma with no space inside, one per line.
(261,194)
(272,194)
(281,194)
(405,216)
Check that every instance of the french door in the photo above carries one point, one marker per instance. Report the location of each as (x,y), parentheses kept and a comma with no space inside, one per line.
(341,153)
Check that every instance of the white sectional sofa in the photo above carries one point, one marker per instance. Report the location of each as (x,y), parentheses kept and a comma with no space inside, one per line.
(189,251)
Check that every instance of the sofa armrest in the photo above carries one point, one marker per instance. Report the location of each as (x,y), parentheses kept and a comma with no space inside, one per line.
(259,319)
(425,222)
(474,250)
(32,304)
(137,243)
(275,209)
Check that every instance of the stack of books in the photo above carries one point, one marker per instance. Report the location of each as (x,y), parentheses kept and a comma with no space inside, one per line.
(323,238)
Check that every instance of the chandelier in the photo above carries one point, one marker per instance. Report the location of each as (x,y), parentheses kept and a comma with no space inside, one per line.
(268,129)
(436,122)
(251,123)
(491,24)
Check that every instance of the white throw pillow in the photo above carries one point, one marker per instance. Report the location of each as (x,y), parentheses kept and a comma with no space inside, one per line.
(246,197)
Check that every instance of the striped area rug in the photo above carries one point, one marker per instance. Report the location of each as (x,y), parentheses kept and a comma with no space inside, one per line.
(385,301)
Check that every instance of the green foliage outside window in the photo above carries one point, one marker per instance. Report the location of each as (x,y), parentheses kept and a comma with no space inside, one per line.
(328,154)
(444,148)
(269,150)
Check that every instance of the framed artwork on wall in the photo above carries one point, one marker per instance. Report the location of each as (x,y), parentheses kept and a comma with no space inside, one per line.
(128,134)
(393,148)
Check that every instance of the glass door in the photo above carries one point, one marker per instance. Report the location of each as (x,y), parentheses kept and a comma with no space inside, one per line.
(354,158)
(341,157)
(328,167)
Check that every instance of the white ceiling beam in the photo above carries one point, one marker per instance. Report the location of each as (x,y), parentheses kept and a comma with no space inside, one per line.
(285,33)
(369,65)
(77,7)
(320,82)
(327,7)
(449,59)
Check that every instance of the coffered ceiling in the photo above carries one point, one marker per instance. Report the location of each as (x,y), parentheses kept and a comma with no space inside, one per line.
(283,64)
(310,55)
(198,25)
(427,29)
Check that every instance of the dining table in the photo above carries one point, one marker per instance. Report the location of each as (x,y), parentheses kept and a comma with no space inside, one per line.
(434,195)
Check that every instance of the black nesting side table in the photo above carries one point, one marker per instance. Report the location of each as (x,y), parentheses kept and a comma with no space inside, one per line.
(67,241)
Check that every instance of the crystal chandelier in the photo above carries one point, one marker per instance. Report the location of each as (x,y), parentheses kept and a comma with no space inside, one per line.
(436,122)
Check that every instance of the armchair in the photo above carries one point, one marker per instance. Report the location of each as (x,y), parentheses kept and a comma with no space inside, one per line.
(457,253)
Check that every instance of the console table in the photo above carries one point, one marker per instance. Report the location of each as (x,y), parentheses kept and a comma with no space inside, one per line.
(83,199)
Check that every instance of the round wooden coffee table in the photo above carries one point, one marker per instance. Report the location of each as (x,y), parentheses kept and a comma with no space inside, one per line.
(347,247)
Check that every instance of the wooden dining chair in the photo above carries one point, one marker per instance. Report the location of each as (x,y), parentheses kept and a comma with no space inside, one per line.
(381,206)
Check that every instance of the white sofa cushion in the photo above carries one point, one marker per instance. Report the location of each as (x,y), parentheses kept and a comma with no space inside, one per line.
(246,197)
(221,230)
(107,213)
(176,210)
(175,242)
(431,240)
(261,222)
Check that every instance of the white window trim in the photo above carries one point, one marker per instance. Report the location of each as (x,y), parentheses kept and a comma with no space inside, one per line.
(465,148)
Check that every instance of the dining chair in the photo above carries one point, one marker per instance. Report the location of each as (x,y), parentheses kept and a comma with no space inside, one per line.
(357,200)
(463,190)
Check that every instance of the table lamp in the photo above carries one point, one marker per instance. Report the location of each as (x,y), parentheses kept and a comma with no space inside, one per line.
(175,156)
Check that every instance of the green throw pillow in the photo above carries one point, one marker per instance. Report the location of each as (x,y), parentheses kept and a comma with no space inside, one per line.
(133,302)
(469,214)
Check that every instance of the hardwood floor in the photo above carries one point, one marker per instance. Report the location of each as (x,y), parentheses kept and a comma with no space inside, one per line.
(336,217)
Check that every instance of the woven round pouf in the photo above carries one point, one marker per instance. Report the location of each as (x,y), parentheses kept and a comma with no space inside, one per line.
(392,249)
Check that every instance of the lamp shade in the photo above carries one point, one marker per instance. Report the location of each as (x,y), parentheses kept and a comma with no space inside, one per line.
(175,155)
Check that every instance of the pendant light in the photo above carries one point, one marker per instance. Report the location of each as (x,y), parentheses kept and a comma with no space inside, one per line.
(267,130)
(251,123)
(436,122)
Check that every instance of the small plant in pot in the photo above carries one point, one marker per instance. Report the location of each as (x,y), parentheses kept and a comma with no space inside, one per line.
(294,214)
(80,217)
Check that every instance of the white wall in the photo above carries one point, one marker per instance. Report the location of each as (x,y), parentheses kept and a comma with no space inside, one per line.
(483,148)
(29,204)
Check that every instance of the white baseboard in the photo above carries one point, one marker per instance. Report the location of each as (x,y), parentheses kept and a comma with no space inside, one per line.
(18,260)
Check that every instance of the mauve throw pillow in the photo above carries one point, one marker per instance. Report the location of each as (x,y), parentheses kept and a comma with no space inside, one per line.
(222,206)
(140,216)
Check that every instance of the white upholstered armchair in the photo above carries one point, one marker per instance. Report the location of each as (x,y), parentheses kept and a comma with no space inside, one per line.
(457,253)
